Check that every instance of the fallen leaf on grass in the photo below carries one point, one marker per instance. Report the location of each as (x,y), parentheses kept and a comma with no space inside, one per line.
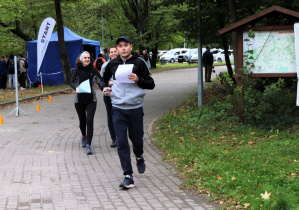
(293,174)
(246,205)
(266,195)
(219,177)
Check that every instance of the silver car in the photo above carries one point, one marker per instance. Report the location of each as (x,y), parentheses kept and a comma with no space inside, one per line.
(172,55)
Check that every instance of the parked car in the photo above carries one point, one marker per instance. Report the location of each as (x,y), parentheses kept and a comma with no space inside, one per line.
(220,57)
(194,57)
(186,56)
(172,55)
(161,52)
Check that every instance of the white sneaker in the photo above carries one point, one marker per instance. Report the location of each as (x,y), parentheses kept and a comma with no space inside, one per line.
(21,88)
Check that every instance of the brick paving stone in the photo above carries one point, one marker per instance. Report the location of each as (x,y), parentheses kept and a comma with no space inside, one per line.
(43,165)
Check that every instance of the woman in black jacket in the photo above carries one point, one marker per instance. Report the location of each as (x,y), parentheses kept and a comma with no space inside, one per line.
(85,102)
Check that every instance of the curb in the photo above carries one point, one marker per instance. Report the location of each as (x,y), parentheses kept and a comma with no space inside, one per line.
(33,97)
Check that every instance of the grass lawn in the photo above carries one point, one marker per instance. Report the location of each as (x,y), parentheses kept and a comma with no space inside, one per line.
(7,96)
(238,166)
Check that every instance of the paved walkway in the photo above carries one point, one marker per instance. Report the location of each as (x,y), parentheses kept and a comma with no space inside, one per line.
(42,165)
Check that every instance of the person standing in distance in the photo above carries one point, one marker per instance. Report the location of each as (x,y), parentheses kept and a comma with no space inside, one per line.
(113,53)
(127,111)
(85,103)
(207,60)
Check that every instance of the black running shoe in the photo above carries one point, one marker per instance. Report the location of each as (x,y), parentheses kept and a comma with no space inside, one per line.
(140,164)
(113,144)
(83,141)
(128,182)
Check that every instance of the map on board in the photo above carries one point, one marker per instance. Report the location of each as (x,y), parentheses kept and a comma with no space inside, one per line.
(273,51)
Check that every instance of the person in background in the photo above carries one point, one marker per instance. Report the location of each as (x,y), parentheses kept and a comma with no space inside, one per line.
(207,61)
(91,58)
(106,55)
(3,73)
(22,72)
(85,103)
(98,63)
(146,58)
(127,110)
(137,52)
(107,100)
(11,72)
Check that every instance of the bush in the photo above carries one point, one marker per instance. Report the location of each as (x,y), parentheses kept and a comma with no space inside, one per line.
(270,102)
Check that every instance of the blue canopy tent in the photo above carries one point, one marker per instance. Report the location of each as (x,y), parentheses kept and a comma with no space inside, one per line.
(51,68)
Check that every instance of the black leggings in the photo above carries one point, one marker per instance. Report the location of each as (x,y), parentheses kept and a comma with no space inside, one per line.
(86,113)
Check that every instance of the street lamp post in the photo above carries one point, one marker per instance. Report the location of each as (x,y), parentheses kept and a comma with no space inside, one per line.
(103,34)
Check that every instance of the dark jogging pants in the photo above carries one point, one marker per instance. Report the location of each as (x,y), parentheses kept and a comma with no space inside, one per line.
(86,113)
(108,105)
(125,121)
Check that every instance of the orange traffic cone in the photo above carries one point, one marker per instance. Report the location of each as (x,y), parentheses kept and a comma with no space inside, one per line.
(37,107)
(1,120)
(50,99)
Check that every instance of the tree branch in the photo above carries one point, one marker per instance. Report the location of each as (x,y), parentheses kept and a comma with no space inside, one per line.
(17,31)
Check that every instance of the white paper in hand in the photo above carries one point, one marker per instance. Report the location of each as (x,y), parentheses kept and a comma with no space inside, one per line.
(122,72)
(84,87)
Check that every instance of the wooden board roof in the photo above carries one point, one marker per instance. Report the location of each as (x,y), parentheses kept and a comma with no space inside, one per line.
(258,16)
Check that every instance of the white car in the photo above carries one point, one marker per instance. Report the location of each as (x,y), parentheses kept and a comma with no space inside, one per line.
(186,56)
(161,52)
(194,57)
(219,57)
(172,55)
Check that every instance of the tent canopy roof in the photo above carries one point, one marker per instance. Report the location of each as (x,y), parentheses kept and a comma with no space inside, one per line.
(71,36)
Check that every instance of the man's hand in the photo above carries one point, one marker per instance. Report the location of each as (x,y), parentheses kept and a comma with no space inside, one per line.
(133,77)
(107,91)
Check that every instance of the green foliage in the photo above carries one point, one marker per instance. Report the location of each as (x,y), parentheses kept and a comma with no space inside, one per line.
(267,102)
(270,102)
(234,164)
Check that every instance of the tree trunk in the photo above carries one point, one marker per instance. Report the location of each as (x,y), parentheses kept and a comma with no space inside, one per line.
(67,73)
(233,15)
(228,64)
(154,56)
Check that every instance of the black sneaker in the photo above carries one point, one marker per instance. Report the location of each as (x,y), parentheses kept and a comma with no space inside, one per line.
(83,141)
(128,182)
(113,144)
(140,164)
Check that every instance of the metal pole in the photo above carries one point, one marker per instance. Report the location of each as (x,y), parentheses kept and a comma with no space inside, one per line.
(103,34)
(41,81)
(200,79)
(17,93)
(16,86)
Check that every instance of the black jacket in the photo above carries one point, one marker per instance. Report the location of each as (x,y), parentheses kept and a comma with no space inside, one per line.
(80,74)
(140,69)
(128,95)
